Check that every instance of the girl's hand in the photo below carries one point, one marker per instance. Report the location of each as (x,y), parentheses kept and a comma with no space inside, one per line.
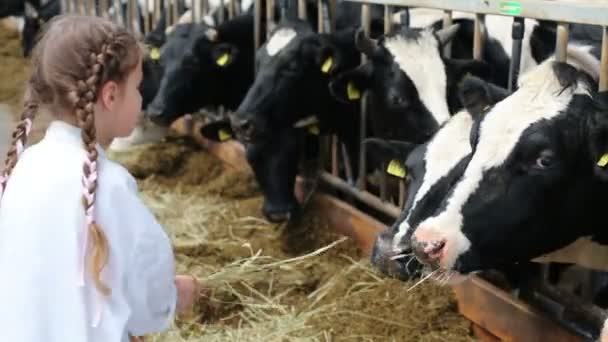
(188,291)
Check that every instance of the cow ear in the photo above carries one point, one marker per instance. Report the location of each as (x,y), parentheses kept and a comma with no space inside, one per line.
(458,69)
(30,10)
(224,54)
(218,131)
(391,154)
(598,136)
(349,86)
(478,95)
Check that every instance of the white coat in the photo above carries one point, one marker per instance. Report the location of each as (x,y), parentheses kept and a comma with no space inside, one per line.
(41,222)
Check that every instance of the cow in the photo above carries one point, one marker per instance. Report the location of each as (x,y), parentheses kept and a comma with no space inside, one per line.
(291,90)
(430,169)
(34,20)
(204,66)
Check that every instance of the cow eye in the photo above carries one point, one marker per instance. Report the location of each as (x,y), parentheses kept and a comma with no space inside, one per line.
(545,160)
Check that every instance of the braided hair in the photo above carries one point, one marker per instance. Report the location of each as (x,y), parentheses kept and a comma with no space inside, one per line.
(75,57)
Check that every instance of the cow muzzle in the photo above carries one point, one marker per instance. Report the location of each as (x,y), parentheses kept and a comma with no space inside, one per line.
(244,128)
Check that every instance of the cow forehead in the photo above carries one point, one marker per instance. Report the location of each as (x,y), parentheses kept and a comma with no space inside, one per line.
(418,57)
(445,150)
(541,96)
(279,40)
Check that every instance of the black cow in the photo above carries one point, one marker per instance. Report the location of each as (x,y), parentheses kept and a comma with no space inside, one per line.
(16,7)
(295,67)
(204,66)
(33,22)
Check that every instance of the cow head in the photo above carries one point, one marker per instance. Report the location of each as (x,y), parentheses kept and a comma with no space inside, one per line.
(294,69)
(194,60)
(533,181)
(409,79)
(430,170)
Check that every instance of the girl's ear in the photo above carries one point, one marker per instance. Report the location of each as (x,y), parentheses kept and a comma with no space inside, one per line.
(108,95)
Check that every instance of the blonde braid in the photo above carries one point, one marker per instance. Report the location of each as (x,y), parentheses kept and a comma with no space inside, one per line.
(83,99)
(19,140)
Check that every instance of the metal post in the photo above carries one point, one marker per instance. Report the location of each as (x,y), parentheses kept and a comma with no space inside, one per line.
(197,11)
(366,23)
(145,13)
(333,7)
(447,22)
(168,15)
(232,3)
(561,43)
(157,11)
(405,17)
(604,62)
(131,15)
(388,19)
(222,7)
(517,34)
(302,9)
(269,16)
(401,193)
(478,36)
(257,26)
(175,11)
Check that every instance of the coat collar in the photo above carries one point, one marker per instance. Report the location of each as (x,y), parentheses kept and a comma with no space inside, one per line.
(64,132)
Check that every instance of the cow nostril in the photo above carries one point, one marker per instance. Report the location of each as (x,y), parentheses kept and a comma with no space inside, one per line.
(434,248)
(428,251)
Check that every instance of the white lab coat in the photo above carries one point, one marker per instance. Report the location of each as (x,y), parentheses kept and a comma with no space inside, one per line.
(41,222)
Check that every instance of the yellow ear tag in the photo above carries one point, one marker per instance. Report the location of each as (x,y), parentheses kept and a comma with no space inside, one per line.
(155,54)
(314,130)
(223,60)
(327,65)
(603,160)
(224,135)
(396,169)
(352,92)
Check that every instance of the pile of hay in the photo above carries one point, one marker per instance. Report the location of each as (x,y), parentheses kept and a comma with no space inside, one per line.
(275,282)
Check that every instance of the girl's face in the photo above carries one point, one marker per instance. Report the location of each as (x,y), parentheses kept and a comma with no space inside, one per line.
(119,107)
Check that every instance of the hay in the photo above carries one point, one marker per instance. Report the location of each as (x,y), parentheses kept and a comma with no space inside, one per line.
(14,73)
(299,282)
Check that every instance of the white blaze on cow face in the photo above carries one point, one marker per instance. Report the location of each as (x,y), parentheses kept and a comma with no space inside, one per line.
(421,62)
(540,97)
(449,145)
(279,40)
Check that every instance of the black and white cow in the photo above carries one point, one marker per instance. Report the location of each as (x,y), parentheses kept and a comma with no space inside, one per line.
(34,20)
(431,168)
(543,144)
(204,66)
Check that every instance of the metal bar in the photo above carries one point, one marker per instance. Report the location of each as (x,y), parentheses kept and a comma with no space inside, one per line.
(232,10)
(302,9)
(595,13)
(478,36)
(383,184)
(168,16)
(402,193)
(131,15)
(405,17)
(157,11)
(366,24)
(388,19)
(604,62)
(335,162)
(221,17)
(362,196)
(333,8)
(257,26)
(561,43)
(320,27)
(447,21)
(517,34)
(175,11)
(347,165)
(197,11)
(269,17)
(147,16)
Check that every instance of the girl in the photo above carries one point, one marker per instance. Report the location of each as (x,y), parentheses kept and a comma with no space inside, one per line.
(81,258)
